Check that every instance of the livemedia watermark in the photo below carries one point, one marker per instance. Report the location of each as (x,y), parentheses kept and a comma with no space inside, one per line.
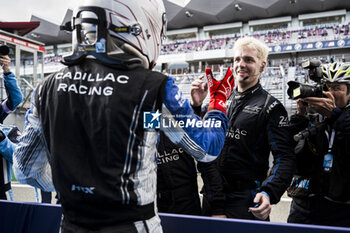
(155,120)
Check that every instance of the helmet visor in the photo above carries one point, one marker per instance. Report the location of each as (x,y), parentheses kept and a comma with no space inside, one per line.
(88,31)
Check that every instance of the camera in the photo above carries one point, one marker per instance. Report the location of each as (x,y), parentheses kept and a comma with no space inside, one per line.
(4,50)
(298,90)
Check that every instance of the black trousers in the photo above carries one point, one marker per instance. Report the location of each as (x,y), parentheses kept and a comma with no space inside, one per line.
(45,197)
(4,187)
(180,204)
(236,205)
(68,227)
(320,211)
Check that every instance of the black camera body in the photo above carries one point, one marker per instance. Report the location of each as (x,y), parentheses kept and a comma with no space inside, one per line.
(298,90)
(4,50)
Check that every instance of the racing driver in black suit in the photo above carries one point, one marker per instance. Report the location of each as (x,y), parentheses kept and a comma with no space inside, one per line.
(239,184)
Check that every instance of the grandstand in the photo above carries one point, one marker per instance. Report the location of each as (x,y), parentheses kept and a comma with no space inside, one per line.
(192,44)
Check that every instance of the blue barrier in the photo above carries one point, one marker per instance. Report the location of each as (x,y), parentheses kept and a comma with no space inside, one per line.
(173,223)
(18,217)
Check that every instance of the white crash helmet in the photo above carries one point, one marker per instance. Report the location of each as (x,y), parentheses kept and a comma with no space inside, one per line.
(118,32)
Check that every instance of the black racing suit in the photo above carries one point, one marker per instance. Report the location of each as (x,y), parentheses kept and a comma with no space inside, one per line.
(320,195)
(177,189)
(94,128)
(258,125)
(92,119)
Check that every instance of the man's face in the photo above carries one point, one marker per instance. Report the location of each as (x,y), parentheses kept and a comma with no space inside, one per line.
(339,91)
(247,67)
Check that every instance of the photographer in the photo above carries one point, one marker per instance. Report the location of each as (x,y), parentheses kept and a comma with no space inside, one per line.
(14,95)
(14,98)
(321,184)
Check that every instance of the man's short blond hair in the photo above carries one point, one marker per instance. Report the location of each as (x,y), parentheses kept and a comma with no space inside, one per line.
(251,42)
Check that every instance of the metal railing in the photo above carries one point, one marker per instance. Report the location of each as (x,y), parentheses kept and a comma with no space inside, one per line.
(27,89)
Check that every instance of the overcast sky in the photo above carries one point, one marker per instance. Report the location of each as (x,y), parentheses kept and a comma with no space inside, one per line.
(21,10)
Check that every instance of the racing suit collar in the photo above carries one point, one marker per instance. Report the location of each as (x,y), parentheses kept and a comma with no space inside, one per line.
(251,90)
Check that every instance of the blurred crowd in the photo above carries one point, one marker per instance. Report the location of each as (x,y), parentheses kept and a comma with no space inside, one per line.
(270,37)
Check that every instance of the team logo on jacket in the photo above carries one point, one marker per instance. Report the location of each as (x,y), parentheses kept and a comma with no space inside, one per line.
(274,104)
(169,156)
(251,109)
(87,190)
(284,122)
(98,84)
(151,120)
(236,133)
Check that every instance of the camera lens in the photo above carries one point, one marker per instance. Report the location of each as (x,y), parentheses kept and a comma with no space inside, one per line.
(299,90)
